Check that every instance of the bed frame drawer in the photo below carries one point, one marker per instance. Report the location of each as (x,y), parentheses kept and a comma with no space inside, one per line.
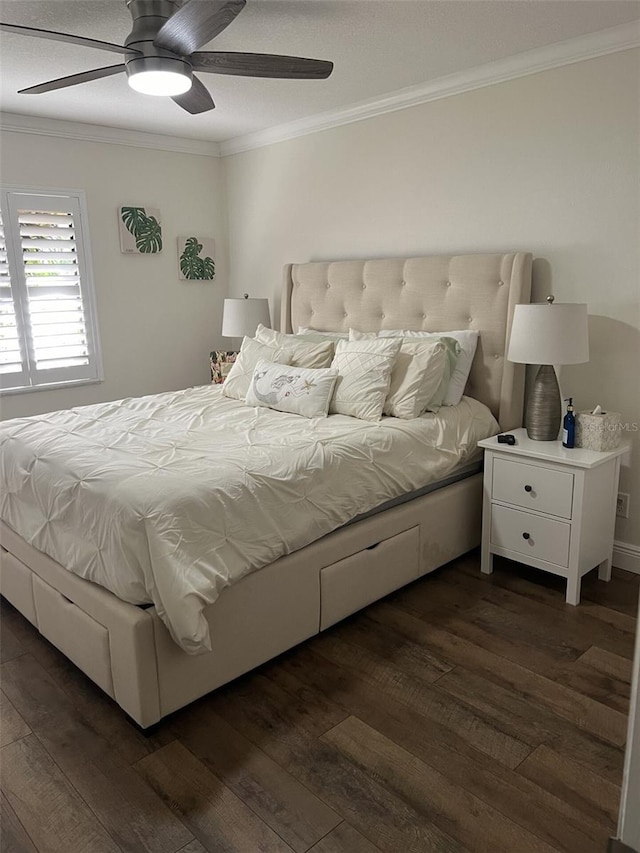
(352,583)
(83,640)
(16,584)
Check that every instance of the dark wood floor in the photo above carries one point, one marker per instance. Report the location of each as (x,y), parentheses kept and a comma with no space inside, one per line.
(463,713)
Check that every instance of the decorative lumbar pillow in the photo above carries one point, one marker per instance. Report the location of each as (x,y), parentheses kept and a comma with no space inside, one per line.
(415,378)
(318,336)
(304,352)
(239,378)
(298,390)
(364,369)
(452,352)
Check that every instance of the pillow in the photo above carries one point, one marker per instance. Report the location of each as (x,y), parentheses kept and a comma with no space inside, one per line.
(298,390)
(304,353)
(416,376)
(355,335)
(452,347)
(365,374)
(239,378)
(468,342)
(318,337)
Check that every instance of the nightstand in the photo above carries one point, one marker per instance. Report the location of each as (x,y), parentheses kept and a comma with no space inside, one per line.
(550,507)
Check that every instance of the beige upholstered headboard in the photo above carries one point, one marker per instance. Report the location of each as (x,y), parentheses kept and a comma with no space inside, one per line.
(438,293)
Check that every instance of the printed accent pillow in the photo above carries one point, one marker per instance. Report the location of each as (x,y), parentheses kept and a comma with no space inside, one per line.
(239,378)
(467,340)
(304,353)
(365,376)
(416,375)
(297,390)
(452,351)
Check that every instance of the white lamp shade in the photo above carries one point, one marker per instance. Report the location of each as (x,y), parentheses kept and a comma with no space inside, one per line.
(240,317)
(549,334)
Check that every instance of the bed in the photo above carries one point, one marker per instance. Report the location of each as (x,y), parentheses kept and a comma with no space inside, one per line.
(128,650)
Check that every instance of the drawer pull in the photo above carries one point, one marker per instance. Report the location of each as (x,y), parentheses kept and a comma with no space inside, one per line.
(528,488)
(371,547)
(526,536)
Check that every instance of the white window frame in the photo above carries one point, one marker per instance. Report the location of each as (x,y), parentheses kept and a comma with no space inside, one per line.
(30,378)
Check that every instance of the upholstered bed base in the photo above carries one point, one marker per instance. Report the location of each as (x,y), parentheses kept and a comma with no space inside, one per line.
(129,653)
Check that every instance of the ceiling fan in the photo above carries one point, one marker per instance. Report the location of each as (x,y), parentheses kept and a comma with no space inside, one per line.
(161,52)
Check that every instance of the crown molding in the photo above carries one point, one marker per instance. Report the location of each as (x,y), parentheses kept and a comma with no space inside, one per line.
(590,46)
(111,135)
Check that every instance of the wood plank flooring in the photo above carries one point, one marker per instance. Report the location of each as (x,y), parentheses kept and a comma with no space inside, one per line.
(462,714)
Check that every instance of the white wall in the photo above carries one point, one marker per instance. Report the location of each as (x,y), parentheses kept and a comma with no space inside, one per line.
(156,331)
(547,163)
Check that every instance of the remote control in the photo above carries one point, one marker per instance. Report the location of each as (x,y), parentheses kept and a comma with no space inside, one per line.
(506,438)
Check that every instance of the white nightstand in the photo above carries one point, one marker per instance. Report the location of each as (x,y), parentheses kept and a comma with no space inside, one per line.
(550,507)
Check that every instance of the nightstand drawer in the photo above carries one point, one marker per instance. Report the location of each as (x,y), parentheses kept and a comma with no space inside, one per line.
(533,535)
(533,487)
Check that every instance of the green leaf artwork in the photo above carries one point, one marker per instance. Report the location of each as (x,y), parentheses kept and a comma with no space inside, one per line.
(194,265)
(142,231)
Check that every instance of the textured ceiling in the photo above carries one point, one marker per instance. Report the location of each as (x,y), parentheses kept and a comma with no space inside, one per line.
(378,47)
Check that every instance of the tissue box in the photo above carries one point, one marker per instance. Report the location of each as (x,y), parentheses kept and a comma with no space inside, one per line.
(598,432)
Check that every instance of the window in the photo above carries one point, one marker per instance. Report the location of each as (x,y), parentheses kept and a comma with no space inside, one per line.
(48,330)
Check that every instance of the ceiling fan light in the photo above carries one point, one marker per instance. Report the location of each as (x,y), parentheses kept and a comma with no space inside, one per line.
(168,83)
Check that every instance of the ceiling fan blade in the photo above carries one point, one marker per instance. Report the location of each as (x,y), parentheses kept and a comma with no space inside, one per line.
(67,37)
(196,100)
(73,80)
(262,65)
(196,23)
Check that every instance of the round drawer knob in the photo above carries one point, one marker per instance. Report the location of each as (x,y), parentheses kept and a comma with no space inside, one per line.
(528,488)
(526,536)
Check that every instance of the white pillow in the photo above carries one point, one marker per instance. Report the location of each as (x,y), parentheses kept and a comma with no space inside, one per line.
(356,335)
(416,375)
(304,353)
(365,375)
(317,336)
(298,390)
(237,382)
(415,378)
(468,340)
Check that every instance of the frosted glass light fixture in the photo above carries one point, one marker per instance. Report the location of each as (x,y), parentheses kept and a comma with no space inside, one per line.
(160,83)
(154,75)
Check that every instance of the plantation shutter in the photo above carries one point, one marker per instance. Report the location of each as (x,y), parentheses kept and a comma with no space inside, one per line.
(50,328)
(13,369)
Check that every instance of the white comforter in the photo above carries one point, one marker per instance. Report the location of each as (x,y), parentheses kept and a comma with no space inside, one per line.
(170,498)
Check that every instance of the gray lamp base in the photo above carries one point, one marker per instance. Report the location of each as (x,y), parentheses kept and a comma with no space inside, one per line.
(544,407)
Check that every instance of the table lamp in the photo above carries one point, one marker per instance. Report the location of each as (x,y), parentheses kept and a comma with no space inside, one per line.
(547,335)
(241,317)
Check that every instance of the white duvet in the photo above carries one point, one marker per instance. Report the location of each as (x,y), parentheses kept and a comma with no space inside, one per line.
(170,498)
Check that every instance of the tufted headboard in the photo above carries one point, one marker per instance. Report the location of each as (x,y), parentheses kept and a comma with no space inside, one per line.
(438,293)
